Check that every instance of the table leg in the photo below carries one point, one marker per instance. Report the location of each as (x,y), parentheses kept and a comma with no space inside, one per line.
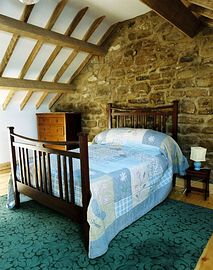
(206,188)
(188,185)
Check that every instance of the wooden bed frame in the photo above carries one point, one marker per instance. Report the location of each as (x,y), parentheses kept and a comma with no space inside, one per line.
(155,118)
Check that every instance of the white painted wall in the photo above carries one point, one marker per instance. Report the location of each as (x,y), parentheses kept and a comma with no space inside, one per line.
(23,121)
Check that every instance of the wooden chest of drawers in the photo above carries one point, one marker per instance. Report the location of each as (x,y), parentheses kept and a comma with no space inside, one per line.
(60,126)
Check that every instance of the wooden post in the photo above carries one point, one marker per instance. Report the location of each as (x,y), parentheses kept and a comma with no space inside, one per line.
(175,120)
(84,163)
(13,166)
(109,115)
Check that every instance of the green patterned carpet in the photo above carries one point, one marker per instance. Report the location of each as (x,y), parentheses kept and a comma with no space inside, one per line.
(171,236)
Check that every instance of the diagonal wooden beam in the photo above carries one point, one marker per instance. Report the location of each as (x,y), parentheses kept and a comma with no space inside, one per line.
(31,31)
(32,85)
(25,100)
(202,11)
(56,13)
(177,14)
(88,34)
(41,100)
(24,17)
(55,99)
(207,21)
(78,17)
(80,68)
(57,50)
(7,100)
(186,3)
(74,53)
(89,57)
(203,3)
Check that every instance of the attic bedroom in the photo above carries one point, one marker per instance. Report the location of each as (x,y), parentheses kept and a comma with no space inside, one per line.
(88,89)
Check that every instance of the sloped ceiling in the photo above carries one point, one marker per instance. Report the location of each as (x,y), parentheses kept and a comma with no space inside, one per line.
(45,46)
(26,57)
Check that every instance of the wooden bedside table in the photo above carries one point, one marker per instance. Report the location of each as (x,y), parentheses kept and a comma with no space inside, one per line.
(202,175)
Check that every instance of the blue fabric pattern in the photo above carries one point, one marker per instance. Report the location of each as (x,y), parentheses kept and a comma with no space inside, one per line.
(123,178)
(145,138)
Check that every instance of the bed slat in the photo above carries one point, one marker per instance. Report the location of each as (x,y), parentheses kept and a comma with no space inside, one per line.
(44,170)
(40,171)
(49,179)
(28,167)
(59,177)
(21,164)
(35,168)
(155,118)
(71,181)
(65,179)
(24,165)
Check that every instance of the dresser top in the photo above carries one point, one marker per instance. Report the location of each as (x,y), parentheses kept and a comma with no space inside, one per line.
(57,113)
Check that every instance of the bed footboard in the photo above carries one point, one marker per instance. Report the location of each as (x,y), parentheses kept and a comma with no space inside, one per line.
(33,175)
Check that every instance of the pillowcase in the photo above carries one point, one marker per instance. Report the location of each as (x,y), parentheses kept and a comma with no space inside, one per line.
(139,137)
(130,137)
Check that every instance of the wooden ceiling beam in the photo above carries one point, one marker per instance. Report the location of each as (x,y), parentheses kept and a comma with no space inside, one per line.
(80,68)
(25,100)
(207,21)
(186,3)
(55,99)
(176,13)
(202,11)
(56,13)
(7,100)
(89,57)
(57,50)
(41,100)
(32,85)
(24,17)
(74,53)
(46,36)
(203,3)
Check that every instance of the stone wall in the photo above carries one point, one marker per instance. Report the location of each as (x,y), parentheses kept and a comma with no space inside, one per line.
(152,63)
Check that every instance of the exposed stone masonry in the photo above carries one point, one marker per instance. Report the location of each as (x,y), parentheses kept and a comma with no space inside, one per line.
(150,62)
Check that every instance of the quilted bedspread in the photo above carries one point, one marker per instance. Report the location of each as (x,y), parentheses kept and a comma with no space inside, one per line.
(126,180)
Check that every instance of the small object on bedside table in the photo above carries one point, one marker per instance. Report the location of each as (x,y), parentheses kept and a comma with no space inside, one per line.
(203,175)
(198,154)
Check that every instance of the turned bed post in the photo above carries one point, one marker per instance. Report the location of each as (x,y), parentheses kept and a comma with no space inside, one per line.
(85,184)
(13,166)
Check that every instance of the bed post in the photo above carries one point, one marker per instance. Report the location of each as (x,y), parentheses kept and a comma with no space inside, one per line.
(109,115)
(84,160)
(175,120)
(174,130)
(13,166)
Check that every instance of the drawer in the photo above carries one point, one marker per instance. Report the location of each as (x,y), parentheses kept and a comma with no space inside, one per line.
(50,137)
(52,130)
(44,120)
(56,138)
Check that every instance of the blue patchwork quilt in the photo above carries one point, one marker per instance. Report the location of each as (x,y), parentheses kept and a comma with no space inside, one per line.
(130,172)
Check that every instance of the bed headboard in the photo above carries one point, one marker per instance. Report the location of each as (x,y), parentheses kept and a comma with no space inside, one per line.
(161,118)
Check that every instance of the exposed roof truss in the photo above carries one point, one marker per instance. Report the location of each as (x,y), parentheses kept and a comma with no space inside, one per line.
(44,35)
